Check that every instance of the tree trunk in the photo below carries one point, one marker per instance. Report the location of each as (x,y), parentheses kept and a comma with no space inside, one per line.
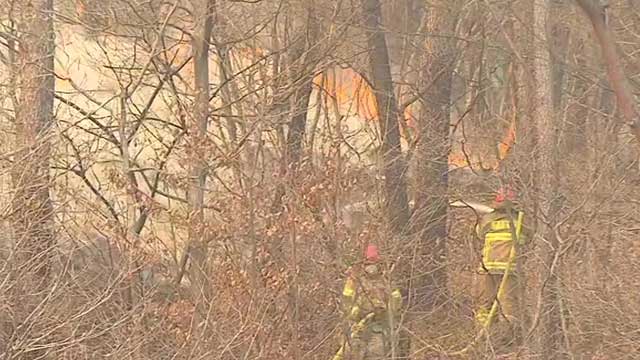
(430,215)
(576,142)
(33,210)
(32,216)
(548,329)
(304,62)
(597,13)
(197,241)
(394,164)
(560,33)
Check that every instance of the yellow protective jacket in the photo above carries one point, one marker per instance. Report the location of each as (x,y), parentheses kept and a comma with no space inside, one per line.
(361,297)
(498,234)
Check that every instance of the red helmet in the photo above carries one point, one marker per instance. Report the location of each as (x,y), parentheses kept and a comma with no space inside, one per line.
(371,254)
(505,193)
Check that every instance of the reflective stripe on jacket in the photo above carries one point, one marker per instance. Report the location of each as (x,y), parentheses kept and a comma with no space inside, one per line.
(358,304)
(498,240)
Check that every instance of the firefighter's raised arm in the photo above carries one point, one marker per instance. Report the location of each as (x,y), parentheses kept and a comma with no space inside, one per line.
(395,302)
(349,308)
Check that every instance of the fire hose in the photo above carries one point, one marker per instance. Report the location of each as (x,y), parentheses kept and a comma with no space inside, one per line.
(356,329)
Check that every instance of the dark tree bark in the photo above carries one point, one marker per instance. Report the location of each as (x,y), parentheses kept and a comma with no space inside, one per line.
(597,14)
(197,130)
(32,207)
(577,139)
(304,61)
(432,153)
(394,164)
(549,331)
(32,216)
(560,33)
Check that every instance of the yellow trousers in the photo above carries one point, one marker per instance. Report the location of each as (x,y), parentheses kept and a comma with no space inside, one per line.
(507,318)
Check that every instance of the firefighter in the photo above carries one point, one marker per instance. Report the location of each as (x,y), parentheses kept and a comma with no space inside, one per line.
(371,312)
(501,233)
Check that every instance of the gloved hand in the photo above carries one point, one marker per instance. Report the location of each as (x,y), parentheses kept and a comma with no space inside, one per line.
(395,303)
(353,314)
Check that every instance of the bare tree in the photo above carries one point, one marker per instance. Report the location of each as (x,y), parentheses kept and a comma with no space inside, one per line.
(598,14)
(32,207)
(433,149)
(198,234)
(394,164)
(303,59)
(548,315)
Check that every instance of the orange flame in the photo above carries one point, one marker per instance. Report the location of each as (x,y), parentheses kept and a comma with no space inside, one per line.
(81,8)
(508,140)
(352,93)
(354,97)
(463,160)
